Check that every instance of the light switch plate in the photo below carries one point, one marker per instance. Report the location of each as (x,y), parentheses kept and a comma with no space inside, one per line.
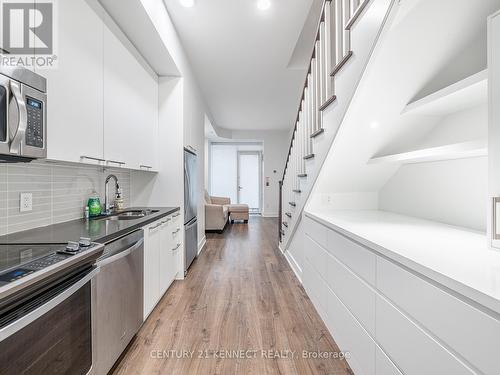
(26,202)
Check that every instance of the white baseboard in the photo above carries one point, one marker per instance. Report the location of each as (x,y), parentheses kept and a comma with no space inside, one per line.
(272,214)
(201,244)
(293,264)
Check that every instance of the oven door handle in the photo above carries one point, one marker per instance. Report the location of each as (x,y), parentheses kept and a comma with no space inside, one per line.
(15,145)
(37,313)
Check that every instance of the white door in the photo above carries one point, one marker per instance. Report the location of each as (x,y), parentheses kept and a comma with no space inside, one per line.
(249,179)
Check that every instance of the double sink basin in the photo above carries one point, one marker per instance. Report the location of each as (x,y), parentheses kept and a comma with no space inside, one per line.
(126,215)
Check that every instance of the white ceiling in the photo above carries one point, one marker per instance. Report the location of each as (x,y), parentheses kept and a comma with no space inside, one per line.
(240,56)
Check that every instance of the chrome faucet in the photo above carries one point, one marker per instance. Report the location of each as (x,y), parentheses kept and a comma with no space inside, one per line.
(107,205)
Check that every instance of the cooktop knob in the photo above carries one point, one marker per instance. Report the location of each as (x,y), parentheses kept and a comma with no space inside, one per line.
(85,242)
(72,247)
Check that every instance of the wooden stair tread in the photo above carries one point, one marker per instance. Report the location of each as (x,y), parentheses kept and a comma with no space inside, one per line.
(356,15)
(302,175)
(297,191)
(329,101)
(341,63)
(285,224)
(310,156)
(317,132)
(293,204)
(289,215)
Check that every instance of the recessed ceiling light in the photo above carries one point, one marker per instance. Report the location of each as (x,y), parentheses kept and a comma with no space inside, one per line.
(187,3)
(374,125)
(263,4)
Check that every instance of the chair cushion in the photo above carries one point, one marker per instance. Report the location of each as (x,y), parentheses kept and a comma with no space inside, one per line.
(238,208)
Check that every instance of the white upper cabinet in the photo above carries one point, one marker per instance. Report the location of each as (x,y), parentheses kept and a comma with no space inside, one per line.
(130,108)
(75,96)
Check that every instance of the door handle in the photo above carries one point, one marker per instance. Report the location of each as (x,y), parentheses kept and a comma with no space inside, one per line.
(15,146)
(494,233)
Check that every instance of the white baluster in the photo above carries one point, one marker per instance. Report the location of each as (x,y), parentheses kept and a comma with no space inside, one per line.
(329,36)
(346,16)
(313,102)
(325,73)
(339,31)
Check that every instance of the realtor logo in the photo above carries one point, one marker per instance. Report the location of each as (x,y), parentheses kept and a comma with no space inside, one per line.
(28,28)
(28,34)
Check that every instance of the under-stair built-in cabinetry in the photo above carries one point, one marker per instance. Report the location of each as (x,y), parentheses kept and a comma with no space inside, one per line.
(424,296)
(398,242)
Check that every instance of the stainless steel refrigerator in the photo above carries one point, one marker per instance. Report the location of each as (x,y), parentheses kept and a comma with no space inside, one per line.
(190,208)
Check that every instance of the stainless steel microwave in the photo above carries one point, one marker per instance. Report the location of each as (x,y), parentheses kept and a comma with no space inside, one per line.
(23,115)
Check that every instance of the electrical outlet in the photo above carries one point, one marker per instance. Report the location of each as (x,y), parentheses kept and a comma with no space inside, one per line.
(26,202)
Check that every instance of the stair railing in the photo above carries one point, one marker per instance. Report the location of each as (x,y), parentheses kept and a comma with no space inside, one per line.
(330,52)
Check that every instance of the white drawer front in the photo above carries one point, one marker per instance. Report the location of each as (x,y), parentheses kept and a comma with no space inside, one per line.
(316,289)
(384,365)
(316,231)
(354,256)
(414,352)
(353,292)
(316,255)
(470,332)
(350,337)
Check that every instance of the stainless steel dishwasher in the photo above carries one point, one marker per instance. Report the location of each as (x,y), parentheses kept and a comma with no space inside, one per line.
(119,287)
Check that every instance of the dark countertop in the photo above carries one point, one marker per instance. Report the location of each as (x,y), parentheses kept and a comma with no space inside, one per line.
(101,231)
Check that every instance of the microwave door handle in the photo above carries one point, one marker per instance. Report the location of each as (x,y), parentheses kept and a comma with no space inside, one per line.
(15,145)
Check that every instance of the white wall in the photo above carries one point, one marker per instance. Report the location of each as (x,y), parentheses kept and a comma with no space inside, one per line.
(193,111)
(453,192)
(275,152)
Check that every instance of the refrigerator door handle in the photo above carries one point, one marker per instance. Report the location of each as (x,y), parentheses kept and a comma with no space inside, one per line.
(191,224)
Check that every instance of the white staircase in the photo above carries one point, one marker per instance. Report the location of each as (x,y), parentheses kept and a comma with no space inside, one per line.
(348,31)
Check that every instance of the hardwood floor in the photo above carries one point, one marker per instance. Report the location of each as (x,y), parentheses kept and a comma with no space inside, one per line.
(240,295)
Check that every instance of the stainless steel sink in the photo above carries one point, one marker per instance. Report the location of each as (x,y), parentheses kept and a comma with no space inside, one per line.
(127,215)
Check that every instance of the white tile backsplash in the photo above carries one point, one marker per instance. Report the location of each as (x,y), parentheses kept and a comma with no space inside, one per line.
(60,192)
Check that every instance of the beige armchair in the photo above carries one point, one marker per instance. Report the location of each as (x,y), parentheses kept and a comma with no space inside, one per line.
(216,213)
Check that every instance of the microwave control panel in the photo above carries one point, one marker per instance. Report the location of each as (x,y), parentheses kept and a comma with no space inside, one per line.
(34,130)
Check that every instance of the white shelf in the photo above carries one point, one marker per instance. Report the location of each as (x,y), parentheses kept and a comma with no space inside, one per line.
(467,93)
(447,152)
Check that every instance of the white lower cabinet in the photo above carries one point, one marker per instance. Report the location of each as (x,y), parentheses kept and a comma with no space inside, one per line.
(391,320)
(151,267)
(160,261)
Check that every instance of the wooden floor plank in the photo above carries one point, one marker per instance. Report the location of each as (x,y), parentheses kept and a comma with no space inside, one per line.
(240,294)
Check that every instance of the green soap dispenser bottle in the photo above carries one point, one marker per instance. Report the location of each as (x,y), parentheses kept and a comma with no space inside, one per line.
(94,204)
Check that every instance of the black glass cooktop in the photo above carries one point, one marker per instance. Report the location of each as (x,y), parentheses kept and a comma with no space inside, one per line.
(15,256)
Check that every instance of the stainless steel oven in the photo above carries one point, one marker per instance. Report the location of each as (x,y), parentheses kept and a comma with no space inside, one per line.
(23,115)
(47,309)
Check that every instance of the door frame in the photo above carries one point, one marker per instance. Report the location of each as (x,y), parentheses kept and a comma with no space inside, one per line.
(259,155)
